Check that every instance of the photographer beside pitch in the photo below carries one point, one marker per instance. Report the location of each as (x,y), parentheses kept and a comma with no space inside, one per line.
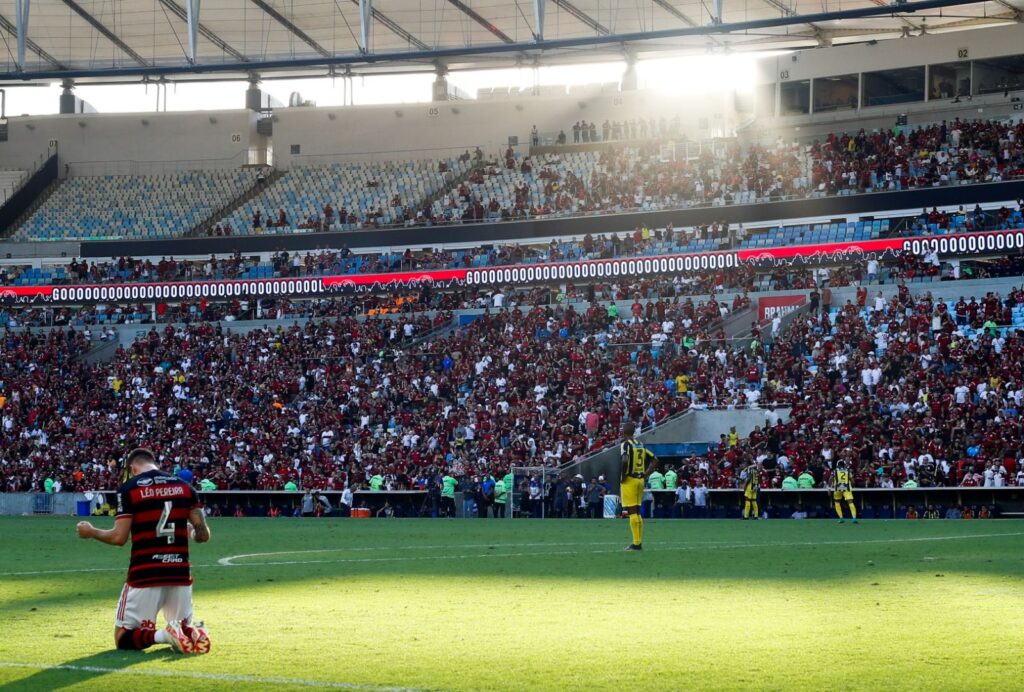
(159,512)
(637,464)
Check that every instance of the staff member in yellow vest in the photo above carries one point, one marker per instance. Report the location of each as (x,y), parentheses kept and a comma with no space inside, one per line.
(842,489)
(637,465)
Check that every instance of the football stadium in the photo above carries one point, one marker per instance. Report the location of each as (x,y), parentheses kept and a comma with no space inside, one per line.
(525,345)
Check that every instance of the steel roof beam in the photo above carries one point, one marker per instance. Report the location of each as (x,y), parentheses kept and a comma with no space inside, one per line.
(492,48)
(397,29)
(11,29)
(671,9)
(907,22)
(213,38)
(583,17)
(821,34)
(110,35)
(21,10)
(475,16)
(365,24)
(192,19)
(290,26)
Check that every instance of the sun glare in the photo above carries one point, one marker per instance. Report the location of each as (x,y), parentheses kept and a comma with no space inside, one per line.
(700,74)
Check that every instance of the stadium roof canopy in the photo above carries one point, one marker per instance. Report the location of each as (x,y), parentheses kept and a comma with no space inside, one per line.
(111,40)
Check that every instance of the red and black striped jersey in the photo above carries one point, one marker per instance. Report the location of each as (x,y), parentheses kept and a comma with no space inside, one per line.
(159,505)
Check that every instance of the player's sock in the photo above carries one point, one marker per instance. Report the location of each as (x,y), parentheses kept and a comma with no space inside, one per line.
(161,637)
(136,639)
(757,510)
(746,508)
(853,510)
(839,510)
(639,529)
(634,527)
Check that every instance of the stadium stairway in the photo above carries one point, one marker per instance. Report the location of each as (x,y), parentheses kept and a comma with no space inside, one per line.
(225,212)
(451,186)
(694,429)
(38,202)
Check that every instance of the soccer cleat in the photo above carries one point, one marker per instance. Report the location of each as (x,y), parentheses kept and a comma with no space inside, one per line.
(854,522)
(199,636)
(634,546)
(840,521)
(180,642)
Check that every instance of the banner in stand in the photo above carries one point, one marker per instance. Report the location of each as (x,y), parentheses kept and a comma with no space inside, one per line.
(960,245)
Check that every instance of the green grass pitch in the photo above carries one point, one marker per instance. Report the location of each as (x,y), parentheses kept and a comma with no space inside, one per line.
(536,605)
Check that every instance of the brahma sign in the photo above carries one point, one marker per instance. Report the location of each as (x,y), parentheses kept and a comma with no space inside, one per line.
(770,307)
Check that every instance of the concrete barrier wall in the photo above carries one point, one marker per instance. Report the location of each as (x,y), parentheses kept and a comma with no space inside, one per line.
(39,503)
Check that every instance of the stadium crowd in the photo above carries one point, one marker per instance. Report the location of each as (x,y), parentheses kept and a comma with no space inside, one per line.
(632,176)
(629,178)
(909,392)
(252,411)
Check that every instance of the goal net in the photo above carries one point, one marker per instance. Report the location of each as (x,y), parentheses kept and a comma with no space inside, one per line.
(532,492)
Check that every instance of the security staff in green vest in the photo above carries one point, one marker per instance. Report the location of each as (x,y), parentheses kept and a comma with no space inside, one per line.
(671,478)
(206,485)
(48,485)
(789,483)
(448,485)
(376,482)
(806,480)
(290,487)
(500,497)
(656,481)
(510,481)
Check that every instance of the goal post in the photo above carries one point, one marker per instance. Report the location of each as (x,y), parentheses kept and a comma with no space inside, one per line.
(531,493)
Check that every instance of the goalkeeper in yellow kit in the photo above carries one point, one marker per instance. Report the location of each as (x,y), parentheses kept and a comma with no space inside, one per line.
(637,464)
(842,490)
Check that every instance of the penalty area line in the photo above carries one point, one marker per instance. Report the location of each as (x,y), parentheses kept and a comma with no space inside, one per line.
(668,547)
(199,675)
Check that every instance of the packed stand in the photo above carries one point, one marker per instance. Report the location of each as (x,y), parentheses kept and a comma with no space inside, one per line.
(331,402)
(911,392)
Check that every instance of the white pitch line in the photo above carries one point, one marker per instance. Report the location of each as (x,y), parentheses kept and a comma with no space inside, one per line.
(229,561)
(64,571)
(198,675)
(674,547)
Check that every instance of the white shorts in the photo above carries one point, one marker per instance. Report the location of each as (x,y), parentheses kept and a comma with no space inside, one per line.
(138,607)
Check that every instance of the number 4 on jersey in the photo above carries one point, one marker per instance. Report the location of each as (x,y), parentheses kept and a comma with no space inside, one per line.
(163,527)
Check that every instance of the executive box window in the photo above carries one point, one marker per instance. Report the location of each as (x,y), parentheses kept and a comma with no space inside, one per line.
(835,93)
(949,80)
(795,97)
(999,74)
(886,87)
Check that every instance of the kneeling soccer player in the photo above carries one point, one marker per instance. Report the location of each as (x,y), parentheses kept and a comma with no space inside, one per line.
(841,491)
(157,510)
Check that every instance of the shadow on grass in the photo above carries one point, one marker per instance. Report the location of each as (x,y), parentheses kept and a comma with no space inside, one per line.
(779,552)
(87,669)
